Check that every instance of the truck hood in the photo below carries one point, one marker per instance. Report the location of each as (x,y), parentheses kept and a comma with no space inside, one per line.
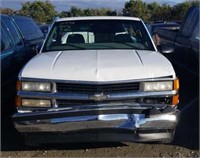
(98,65)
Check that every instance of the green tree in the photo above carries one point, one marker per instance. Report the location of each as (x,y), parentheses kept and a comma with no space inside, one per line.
(154,10)
(165,13)
(64,14)
(136,8)
(40,11)
(7,11)
(179,10)
(104,12)
(75,11)
(89,12)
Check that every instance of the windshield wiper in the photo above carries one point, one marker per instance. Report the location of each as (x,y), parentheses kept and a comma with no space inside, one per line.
(130,45)
(74,45)
(63,47)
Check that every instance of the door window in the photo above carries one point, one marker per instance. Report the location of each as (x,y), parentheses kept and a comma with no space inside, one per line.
(196,33)
(29,28)
(13,30)
(6,43)
(190,21)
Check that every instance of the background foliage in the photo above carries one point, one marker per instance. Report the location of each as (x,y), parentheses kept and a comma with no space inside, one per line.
(44,11)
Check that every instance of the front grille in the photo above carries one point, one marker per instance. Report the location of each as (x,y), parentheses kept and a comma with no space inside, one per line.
(68,103)
(97,88)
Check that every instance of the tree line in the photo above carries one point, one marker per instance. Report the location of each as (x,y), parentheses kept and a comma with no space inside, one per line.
(44,11)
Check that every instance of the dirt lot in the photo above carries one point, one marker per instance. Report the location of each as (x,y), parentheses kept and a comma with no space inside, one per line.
(186,143)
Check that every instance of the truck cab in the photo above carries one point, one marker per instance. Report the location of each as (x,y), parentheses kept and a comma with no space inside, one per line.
(185,41)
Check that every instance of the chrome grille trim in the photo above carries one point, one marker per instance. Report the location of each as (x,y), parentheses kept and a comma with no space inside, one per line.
(164,78)
(97,88)
(117,96)
(66,103)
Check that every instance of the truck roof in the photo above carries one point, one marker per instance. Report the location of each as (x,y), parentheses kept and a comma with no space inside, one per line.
(99,18)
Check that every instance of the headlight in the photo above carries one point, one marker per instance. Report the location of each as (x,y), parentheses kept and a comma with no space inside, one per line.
(36,103)
(36,86)
(157,86)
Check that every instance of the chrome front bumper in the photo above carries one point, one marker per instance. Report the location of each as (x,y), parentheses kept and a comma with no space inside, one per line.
(104,124)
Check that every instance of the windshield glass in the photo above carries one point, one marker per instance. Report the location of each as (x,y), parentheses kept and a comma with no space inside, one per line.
(98,34)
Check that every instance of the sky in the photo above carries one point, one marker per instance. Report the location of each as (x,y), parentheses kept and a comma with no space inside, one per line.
(65,5)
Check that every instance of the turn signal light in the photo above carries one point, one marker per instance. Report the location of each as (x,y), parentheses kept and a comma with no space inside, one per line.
(175,100)
(18,101)
(176,84)
(19,85)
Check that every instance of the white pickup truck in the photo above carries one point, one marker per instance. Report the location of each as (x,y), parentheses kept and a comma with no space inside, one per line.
(97,79)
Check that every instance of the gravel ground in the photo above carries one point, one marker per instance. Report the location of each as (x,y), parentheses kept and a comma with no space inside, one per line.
(186,143)
(103,150)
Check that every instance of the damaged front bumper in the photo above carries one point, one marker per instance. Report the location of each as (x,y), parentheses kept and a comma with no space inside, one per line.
(114,124)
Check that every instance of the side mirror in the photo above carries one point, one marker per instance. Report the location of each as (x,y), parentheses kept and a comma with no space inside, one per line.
(2,45)
(165,49)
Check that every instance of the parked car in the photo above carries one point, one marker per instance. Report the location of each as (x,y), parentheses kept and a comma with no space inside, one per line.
(31,33)
(168,25)
(45,29)
(185,41)
(20,39)
(104,81)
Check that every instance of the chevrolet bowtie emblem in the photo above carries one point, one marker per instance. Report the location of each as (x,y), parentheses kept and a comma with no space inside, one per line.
(98,97)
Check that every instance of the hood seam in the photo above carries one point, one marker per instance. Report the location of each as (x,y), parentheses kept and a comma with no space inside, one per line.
(139,57)
(55,60)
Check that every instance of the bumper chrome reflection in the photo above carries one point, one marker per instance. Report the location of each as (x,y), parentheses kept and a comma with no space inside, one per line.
(105,121)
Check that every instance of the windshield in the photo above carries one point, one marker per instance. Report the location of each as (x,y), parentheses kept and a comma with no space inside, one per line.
(98,34)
